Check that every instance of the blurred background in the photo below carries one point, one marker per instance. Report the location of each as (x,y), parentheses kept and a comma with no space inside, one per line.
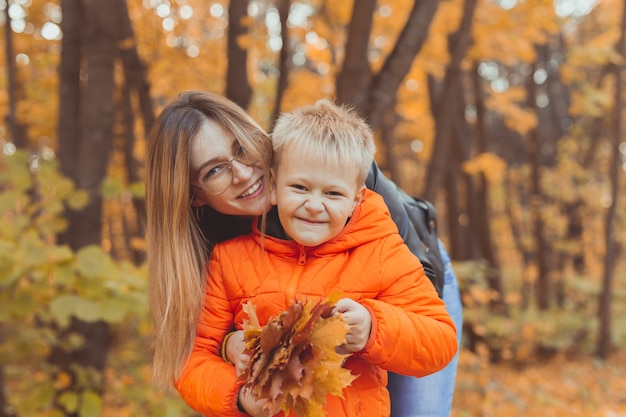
(507,114)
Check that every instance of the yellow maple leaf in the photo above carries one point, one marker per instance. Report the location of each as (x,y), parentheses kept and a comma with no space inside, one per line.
(294,365)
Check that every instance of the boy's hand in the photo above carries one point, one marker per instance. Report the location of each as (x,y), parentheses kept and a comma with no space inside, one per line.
(359,322)
(235,346)
(252,406)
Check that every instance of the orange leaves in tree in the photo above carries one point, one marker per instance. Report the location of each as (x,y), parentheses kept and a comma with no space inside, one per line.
(293,363)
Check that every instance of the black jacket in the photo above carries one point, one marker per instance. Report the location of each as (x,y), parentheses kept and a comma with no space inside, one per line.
(417,223)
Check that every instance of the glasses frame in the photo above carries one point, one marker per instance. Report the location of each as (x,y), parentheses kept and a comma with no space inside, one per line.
(229,166)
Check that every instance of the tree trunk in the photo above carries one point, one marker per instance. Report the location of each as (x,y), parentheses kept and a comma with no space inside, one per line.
(481,216)
(458,249)
(133,228)
(134,69)
(382,91)
(17,132)
(6,410)
(574,233)
(88,167)
(68,127)
(19,140)
(461,143)
(440,101)
(285,55)
(392,165)
(237,85)
(574,210)
(135,82)
(605,301)
(353,79)
(98,117)
(542,283)
(517,232)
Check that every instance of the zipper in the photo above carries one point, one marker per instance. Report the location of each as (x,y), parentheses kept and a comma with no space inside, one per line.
(292,284)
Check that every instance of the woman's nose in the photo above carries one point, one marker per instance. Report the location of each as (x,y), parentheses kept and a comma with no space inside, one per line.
(241,171)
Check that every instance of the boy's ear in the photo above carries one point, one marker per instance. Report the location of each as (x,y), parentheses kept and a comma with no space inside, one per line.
(272,184)
(358,197)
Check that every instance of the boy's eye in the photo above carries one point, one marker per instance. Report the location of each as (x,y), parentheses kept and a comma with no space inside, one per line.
(334,193)
(298,187)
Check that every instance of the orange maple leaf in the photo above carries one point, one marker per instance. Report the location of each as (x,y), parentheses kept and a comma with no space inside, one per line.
(293,362)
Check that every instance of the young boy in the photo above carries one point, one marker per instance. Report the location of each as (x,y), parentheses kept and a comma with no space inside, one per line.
(327,234)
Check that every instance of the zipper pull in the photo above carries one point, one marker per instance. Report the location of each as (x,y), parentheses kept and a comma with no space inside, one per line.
(302,257)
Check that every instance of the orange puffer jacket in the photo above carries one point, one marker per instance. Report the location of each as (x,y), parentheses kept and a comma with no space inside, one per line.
(412,332)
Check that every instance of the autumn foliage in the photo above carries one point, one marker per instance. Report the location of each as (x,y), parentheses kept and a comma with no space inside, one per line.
(293,362)
(509,119)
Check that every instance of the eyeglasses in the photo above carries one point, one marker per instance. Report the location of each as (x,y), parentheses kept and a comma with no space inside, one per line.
(218,177)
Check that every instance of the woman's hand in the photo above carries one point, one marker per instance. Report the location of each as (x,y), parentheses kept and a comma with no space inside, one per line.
(248,404)
(359,322)
(235,346)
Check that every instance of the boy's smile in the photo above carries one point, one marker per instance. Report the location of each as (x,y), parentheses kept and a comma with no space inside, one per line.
(314,199)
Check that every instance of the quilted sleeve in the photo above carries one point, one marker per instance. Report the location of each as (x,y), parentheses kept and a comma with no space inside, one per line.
(412,332)
(207,383)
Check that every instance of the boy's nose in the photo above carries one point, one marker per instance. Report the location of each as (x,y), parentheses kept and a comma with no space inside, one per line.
(314,204)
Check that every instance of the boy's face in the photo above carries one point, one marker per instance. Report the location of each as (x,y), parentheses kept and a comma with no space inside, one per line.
(314,203)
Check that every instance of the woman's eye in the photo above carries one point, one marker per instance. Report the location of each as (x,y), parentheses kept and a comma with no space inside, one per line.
(243,156)
(214,171)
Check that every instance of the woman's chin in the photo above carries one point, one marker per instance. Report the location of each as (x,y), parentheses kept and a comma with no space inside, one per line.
(251,207)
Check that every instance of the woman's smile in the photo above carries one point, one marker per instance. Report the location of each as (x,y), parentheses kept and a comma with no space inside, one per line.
(245,195)
(254,190)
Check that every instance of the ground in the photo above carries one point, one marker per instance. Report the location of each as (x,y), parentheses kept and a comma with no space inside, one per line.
(561,386)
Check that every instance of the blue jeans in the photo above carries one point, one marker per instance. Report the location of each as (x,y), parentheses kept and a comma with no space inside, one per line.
(431,396)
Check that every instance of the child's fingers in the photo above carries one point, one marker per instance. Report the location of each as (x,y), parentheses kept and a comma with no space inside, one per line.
(344,305)
(242,364)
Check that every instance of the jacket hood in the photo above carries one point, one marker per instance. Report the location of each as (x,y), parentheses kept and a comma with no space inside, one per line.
(370,221)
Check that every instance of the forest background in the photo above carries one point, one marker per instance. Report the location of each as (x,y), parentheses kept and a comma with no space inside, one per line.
(507,114)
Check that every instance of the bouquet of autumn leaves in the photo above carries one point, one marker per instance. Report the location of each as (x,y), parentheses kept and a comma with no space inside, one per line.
(293,363)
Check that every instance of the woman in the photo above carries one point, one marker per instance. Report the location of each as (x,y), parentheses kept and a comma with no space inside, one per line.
(206,173)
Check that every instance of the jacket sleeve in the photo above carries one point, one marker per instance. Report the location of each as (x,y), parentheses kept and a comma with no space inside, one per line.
(416,220)
(207,383)
(412,332)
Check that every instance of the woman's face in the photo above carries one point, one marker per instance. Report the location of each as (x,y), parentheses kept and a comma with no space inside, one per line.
(245,189)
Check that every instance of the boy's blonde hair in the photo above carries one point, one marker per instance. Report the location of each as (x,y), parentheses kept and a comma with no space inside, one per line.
(331,134)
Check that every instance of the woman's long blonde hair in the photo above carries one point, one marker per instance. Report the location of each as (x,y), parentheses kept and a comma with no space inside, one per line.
(176,245)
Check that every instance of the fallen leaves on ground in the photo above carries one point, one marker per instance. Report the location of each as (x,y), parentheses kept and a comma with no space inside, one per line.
(293,362)
(559,387)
